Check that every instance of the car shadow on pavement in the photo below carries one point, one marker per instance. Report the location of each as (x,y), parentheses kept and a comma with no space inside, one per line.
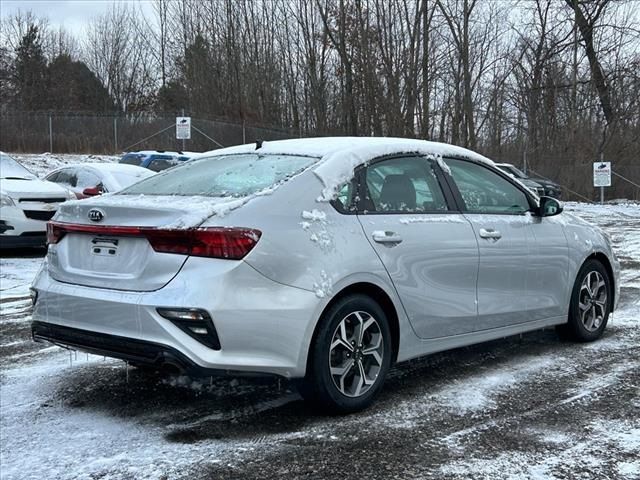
(246,409)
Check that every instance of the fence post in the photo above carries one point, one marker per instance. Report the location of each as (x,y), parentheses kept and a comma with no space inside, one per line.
(50,134)
(244,133)
(115,134)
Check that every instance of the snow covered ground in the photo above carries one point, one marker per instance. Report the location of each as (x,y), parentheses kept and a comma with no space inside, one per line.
(519,408)
(43,163)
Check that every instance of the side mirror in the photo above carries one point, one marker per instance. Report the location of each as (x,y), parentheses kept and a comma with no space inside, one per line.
(92,191)
(549,207)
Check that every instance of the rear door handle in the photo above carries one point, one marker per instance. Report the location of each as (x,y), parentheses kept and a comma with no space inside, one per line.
(386,237)
(490,233)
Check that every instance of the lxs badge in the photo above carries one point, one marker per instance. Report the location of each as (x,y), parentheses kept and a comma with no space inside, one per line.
(95,215)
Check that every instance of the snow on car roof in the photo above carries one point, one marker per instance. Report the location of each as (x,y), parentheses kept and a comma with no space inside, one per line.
(341,155)
(106,167)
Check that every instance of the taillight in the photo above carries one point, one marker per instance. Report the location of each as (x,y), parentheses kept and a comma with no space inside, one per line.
(217,242)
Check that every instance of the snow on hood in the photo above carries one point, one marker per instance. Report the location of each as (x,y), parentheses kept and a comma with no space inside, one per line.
(31,186)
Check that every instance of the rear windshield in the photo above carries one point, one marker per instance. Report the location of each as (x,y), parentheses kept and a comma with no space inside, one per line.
(224,176)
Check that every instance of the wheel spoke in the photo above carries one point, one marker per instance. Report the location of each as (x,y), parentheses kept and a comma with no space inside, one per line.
(342,372)
(373,353)
(584,306)
(361,380)
(587,284)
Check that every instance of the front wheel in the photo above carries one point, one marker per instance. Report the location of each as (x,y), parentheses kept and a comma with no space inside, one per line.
(349,357)
(590,304)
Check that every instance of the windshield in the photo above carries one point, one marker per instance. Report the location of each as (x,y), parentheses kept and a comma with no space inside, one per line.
(9,168)
(511,170)
(224,176)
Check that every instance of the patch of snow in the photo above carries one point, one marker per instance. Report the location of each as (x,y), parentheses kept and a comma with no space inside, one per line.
(431,218)
(314,215)
(44,163)
(442,164)
(324,287)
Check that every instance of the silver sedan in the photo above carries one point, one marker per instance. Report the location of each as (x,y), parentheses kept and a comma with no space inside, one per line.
(323,260)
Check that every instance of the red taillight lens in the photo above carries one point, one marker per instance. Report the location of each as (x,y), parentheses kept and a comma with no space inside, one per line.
(54,233)
(216,242)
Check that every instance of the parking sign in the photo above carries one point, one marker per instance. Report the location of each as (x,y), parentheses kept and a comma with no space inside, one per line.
(183,128)
(602,174)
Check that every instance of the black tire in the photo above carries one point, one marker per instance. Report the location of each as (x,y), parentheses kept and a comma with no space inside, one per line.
(576,329)
(319,386)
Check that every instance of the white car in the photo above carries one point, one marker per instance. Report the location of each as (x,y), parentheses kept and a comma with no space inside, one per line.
(26,204)
(90,179)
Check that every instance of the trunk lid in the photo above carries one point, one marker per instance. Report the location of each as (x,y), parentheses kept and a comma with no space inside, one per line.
(98,250)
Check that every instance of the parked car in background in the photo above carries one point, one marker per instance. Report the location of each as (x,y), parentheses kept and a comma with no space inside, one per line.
(90,179)
(324,260)
(549,188)
(26,204)
(156,160)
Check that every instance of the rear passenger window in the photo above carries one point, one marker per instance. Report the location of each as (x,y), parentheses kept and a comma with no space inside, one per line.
(403,185)
(484,191)
(162,163)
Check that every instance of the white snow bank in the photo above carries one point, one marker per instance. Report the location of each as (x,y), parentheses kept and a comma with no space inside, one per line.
(44,163)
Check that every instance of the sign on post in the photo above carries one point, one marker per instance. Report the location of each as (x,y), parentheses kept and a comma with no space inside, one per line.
(183,128)
(602,174)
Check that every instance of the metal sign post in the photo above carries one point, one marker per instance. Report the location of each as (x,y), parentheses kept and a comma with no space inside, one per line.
(602,177)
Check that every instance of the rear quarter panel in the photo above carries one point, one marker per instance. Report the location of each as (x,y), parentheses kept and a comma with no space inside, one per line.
(307,244)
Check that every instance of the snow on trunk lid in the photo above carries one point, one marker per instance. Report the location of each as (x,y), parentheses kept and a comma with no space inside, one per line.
(126,261)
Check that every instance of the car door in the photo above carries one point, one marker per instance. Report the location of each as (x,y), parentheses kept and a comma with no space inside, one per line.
(427,247)
(548,279)
(499,212)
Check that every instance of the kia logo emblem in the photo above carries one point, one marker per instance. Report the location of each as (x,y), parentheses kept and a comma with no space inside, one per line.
(95,215)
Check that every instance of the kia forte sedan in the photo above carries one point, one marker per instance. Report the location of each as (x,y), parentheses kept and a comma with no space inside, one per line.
(326,260)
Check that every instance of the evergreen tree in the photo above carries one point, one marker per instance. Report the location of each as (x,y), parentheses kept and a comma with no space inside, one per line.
(29,71)
(73,87)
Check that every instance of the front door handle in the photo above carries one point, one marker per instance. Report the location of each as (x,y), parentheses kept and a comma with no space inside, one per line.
(490,233)
(386,237)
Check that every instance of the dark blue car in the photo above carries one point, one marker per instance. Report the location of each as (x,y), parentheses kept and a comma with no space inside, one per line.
(155,160)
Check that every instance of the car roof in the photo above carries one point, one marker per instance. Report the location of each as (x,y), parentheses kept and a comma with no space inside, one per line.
(323,147)
(154,152)
(340,156)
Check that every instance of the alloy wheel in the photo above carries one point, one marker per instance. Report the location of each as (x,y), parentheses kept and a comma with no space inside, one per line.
(592,301)
(356,354)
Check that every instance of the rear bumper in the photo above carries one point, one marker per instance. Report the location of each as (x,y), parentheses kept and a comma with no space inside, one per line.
(29,239)
(138,352)
(263,327)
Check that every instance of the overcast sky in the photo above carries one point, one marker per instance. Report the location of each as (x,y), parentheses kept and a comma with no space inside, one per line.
(72,14)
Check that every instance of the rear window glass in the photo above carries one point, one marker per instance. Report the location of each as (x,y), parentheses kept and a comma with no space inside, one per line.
(131,159)
(224,176)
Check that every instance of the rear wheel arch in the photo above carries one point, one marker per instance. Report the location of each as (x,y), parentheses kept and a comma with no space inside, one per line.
(378,295)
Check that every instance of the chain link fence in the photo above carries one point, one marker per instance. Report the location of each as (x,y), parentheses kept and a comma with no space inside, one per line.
(30,132)
(78,133)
